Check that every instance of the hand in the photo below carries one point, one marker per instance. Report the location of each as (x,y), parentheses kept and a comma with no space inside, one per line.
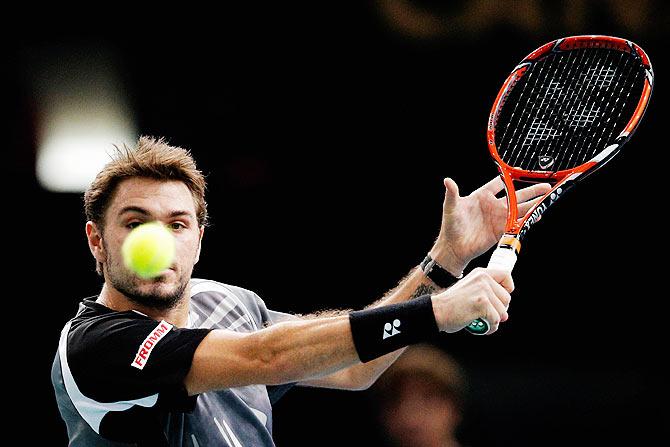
(471,225)
(483,293)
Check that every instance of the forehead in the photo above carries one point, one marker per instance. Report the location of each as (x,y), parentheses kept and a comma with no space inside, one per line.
(156,196)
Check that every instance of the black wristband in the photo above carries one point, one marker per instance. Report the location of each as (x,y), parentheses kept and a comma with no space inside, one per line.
(438,274)
(385,329)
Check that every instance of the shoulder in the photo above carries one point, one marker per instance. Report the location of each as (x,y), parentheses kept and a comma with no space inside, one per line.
(121,355)
(94,327)
(220,305)
(200,287)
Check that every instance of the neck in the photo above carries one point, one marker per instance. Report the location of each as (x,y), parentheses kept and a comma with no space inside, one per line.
(115,300)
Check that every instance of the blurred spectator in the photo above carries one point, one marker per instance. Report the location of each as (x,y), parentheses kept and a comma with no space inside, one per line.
(421,399)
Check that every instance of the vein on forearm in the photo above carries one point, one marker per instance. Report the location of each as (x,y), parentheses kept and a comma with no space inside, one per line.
(302,349)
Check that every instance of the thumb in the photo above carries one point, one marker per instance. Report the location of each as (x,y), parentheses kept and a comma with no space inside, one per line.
(502,277)
(450,194)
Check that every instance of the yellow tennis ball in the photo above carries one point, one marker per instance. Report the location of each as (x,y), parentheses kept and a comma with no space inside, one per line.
(148,250)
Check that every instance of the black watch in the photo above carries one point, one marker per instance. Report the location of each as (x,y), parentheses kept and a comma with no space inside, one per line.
(438,274)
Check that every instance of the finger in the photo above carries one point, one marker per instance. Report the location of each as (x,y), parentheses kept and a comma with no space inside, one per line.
(502,277)
(493,317)
(485,310)
(450,194)
(494,186)
(526,206)
(499,307)
(487,306)
(531,192)
(501,295)
(502,298)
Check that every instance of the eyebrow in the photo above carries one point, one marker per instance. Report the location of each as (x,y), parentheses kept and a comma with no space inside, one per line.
(140,210)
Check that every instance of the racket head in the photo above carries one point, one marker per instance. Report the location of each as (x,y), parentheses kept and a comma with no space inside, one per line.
(563,112)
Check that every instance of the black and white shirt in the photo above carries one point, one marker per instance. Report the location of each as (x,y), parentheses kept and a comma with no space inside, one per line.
(118,376)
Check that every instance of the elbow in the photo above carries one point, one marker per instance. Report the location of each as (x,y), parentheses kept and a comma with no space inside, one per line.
(358,382)
(271,362)
(358,387)
(363,386)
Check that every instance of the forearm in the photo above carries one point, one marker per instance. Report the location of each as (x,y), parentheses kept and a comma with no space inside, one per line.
(285,352)
(362,375)
(309,348)
(313,353)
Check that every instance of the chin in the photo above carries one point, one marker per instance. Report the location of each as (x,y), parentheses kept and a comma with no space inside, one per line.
(161,292)
(159,285)
(157,293)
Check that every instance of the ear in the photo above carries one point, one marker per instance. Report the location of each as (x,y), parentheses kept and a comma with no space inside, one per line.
(94,236)
(202,233)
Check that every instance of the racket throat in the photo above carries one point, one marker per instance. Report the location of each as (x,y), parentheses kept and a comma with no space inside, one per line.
(505,254)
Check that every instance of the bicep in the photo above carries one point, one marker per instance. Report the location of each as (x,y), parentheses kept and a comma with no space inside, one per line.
(226,359)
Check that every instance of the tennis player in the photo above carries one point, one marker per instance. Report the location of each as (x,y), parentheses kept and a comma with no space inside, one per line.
(193,362)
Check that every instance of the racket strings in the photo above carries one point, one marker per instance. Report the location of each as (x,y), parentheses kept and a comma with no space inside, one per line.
(540,128)
(563,81)
(582,113)
(609,89)
(529,127)
(567,107)
(537,130)
(569,81)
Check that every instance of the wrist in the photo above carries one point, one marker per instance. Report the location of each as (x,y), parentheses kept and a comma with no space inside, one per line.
(447,259)
(437,310)
(381,330)
(437,274)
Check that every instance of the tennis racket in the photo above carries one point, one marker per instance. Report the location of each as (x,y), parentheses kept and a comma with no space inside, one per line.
(563,112)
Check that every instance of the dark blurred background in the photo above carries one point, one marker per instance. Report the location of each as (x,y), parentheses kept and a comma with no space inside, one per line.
(325,131)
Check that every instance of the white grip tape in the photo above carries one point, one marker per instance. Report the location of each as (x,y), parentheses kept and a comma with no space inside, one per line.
(503,259)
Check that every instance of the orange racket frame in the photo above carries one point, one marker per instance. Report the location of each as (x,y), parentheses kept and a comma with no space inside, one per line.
(504,256)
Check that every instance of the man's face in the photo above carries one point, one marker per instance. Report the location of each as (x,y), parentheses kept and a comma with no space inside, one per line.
(140,200)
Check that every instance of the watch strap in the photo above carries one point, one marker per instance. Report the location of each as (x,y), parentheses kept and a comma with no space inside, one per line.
(438,274)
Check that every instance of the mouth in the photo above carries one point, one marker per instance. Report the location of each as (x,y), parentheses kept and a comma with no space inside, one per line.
(161,277)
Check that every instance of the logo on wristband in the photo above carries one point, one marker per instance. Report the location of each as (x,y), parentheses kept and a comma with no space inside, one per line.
(391,330)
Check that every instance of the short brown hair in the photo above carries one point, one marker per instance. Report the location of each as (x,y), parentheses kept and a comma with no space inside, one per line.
(150,158)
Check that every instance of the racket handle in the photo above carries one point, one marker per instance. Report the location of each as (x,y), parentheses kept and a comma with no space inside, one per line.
(503,258)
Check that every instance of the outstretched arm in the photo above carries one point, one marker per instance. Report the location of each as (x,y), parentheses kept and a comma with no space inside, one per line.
(300,350)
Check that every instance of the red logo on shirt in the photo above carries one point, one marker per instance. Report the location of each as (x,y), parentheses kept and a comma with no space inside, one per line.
(148,344)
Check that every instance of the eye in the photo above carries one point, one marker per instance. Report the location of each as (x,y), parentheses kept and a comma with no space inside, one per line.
(132,225)
(177,226)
